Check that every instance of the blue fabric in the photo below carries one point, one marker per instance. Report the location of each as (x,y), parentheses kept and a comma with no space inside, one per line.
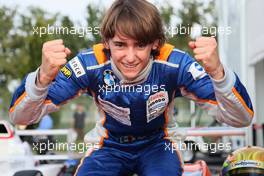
(147,157)
(45,123)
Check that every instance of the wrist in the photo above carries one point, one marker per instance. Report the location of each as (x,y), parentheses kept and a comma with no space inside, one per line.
(218,73)
(42,80)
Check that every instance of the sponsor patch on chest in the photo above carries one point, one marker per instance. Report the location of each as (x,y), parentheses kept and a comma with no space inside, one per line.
(118,113)
(156,105)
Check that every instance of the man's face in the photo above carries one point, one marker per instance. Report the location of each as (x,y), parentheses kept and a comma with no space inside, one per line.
(129,56)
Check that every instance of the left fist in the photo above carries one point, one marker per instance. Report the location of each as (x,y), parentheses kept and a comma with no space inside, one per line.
(205,52)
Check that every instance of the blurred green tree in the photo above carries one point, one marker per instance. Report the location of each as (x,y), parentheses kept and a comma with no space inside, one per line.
(7,52)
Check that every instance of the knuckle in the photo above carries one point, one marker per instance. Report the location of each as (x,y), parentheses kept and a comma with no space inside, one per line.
(197,57)
(198,38)
(215,45)
(60,40)
(63,47)
(213,41)
(64,61)
(44,45)
(64,55)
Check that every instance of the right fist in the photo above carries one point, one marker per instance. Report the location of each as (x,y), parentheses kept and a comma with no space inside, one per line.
(54,55)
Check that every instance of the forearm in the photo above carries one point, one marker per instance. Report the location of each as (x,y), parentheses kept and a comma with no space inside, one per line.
(31,105)
(232,106)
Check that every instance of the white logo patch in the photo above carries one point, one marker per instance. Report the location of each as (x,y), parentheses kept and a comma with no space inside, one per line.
(197,71)
(118,113)
(156,105)
(77,67)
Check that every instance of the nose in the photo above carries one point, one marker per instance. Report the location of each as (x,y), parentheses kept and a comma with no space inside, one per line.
(131,55)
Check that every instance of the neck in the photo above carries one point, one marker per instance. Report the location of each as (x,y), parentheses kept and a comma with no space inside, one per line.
(142,76)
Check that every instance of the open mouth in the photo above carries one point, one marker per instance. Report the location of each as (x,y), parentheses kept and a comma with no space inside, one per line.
(130,65)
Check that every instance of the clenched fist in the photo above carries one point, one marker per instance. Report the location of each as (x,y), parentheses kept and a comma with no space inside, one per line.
(54,55)
(205,51)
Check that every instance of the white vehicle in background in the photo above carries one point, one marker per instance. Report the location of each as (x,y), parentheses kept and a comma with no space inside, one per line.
(16,155)
(214,140)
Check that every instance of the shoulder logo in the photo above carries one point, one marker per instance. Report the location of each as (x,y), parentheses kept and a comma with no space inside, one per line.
(197,71)
(66,71)
(77,67)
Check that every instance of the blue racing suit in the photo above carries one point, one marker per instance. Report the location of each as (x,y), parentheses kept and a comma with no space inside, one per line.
(135,116)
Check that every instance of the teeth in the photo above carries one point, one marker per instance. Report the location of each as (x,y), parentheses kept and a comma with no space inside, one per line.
(130,66)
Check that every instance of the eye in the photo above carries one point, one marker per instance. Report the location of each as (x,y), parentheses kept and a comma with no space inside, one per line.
(141,45)
(118,44)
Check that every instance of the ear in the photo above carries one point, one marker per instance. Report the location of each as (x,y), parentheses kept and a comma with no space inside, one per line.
(155,45)
(106,44)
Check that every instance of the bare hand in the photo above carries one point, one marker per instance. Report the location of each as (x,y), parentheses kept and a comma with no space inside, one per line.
(205,50)
(54,55)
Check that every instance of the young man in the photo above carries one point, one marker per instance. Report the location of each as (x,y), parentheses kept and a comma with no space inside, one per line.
(134,78)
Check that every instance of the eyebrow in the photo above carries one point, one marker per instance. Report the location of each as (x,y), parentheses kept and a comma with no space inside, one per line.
(119,42)
(124,43)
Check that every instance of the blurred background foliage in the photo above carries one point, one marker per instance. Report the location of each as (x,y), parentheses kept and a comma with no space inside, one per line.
(20,47)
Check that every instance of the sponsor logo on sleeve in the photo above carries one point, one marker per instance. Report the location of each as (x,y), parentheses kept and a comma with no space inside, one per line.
(197,71)
(77,67)
(66,71)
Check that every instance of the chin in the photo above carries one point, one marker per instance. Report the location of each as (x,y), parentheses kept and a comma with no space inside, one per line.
(130,76)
